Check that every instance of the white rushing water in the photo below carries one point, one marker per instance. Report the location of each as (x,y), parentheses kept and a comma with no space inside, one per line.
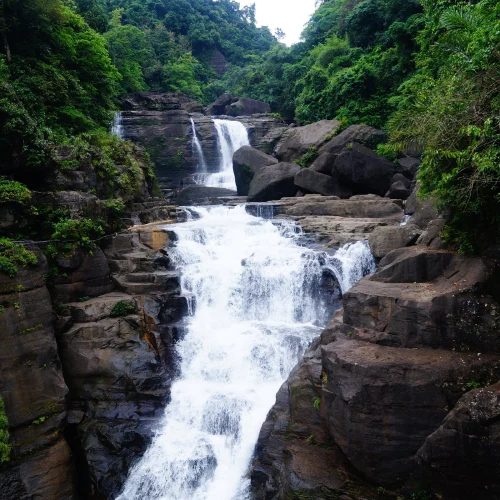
(117,127)
(198,150)
(231,136)
(259,302)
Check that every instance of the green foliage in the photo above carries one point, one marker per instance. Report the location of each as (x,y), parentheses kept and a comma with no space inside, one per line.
(473,385)
(308,157)
(39,421)
(13,255)
(317,403)
(122,308)
(70,234)
(450,108)
(4,434)
(58,80)
(14,191)
(387,152)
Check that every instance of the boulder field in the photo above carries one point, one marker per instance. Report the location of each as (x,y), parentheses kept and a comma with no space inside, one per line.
(333,163)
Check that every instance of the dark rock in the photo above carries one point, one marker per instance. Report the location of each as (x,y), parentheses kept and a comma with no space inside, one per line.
(297,141)
(382,403)
(346,208)
(361,134)
(365,172)
(401,178)
(432,235)
(385,239)
(465,450)
(193,195)
(247,162)
(33,390)
(90,277)
(398,191)
(160,101)
(268,142)
(274,182)
(246,107)
(295,456)
(428,298)
(218,107)
(408,166)
(310,181)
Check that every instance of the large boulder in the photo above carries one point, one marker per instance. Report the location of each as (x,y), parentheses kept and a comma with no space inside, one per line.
(398,191)
(465,450)
(297,141)
(408,166)
(218,107)
(247,162)
(385,239)
(361,134)
(246,107)
(359,168)
(381,208)
(228,105)
(310,181)
(382,403)
(274,182)
(193,195)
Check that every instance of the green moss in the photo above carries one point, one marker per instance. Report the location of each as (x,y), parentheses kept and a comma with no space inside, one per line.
(4,434)
(121,308)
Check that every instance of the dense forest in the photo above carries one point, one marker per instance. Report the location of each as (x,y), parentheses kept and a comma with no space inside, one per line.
(427,71)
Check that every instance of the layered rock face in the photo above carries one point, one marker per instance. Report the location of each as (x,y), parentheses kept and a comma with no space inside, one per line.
(34,391)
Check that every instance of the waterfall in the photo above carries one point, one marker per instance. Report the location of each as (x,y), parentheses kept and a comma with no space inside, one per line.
(231,136)
(350,263)
(117,127)
(197,149)
(258,304)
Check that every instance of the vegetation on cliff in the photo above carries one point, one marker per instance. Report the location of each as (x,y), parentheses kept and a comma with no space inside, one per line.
(4,434)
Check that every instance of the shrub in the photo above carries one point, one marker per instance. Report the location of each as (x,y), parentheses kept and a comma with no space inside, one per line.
(308,157)
(13,255)
(79,233)
(4,434)
(14,191)
(122,309)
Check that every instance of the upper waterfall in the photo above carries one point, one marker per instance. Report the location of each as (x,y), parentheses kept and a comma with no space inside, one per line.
(259,301)
(197,149)
(231,136)
(117,127)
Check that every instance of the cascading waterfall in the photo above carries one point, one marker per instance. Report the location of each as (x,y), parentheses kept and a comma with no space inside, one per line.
(117,127)
(198,150)
(258,305)
(231,136)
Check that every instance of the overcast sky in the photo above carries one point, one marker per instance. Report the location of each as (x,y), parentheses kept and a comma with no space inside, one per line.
(289,15)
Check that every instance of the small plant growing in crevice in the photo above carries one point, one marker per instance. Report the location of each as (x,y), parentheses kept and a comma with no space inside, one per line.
(473,385)
(308,157)
(4,434)
(317,403)
(122,308)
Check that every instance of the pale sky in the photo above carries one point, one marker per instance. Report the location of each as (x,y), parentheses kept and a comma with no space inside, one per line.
(289,15)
